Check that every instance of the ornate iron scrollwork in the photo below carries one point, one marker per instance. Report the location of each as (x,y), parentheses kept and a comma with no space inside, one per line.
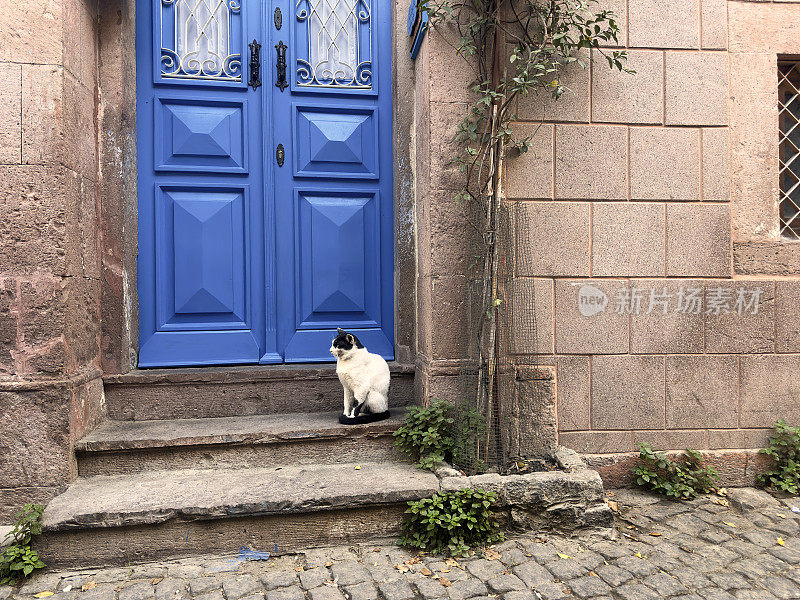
(280,155)
(281,66)
(255,64)
(278,18)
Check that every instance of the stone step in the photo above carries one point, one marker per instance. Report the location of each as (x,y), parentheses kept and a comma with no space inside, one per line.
(186,393)
(120,447)
(121,519)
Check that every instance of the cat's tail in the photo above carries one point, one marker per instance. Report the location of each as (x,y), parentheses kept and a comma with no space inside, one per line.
(364,418)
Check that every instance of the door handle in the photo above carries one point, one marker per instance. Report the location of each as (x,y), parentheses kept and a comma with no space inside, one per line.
(280,65)
(255,64)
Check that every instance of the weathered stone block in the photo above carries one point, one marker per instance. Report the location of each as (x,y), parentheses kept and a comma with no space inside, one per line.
(771,28)
(666,322)
(699,240)
(702,392)
(737,438)
(449,233)
(627,392)
(82,326)
(754,146)
(572,106)
(787,316)
(655,24)
(80,144)
(450,74)
(31,32)
(10,117)
(591,162)
(32,218)
(597,442)
(769,390)
(714,24)
(665,163)
(696,88)
(716,176)
(448,297)
(42,311)
(740,317)
(444,120)
(8,325)
(553,239)
(620,97)
(530,175)
(572,385)
(628,239)
(42,114)
(589,332)
(34,438)
(671,440)
(531,314)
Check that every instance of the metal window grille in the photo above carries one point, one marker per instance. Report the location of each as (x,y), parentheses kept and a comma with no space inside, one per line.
(789,150)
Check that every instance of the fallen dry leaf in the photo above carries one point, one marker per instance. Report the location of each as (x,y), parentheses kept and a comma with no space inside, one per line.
(155,581)
(593,574)
(780,542)
(719,500)
(426,572)
(445,582)
(90,585)
(329,563)
(299,569)
(376,549)
(613,505)
(655,534)
(445,570)
(43,595)
(492,554)
(452,562)
(402,568)
(564,555)
(729,524)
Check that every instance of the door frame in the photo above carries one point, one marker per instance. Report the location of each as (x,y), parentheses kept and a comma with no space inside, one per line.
(119,189)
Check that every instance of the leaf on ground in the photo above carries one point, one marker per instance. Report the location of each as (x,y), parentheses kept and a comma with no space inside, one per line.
(451,562)
(639,555)
(782,516)
(780,542)
(299,569)
(445,582)
(613,505)
(729,524)
(492,554)
(655,534)
(358,467)
(155,581)
(90,585)
(43,595)
(560,555)
(719,500)
(593,574)
(426,572)
(376,549)
(329,563)
(402,568)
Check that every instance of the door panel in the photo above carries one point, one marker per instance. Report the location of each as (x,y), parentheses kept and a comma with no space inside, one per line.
(201,233)
(333,201)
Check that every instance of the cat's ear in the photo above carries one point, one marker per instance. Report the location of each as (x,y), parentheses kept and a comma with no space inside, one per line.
(350,339)
(339,330)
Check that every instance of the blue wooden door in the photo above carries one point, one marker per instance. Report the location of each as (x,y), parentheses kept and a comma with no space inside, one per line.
(239,258)
(333,193)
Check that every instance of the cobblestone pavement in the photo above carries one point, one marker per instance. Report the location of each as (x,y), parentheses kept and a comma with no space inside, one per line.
(704,549)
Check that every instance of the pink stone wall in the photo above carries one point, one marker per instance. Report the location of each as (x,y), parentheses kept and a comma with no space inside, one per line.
(49,276)
(663,180)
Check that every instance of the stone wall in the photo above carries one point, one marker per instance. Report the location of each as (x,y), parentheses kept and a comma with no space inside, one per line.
(49,267)
(663,186)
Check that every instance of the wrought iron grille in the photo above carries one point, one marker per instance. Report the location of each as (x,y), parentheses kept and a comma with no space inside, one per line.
(196,40)
(339,43)
(789,149)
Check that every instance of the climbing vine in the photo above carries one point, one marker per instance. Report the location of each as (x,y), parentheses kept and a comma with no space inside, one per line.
(518,48)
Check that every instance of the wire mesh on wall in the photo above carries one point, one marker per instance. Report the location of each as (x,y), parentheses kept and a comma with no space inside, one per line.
(500,336)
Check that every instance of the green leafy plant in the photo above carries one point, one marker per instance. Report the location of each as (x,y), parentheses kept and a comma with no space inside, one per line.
(18,560)
(451,522)
(426,433)
(784,448)
(680,479)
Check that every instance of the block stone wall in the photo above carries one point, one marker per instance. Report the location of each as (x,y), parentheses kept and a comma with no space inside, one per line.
(648,191)
(50,391)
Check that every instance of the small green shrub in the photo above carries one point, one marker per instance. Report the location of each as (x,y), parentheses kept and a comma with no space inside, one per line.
(451,522)
(426,433)
(18,560)
(784,448)
(682,479)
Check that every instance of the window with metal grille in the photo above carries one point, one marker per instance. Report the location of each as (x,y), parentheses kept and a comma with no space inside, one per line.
(789,152)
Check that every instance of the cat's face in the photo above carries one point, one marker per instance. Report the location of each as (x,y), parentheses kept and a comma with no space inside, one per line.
(344,343)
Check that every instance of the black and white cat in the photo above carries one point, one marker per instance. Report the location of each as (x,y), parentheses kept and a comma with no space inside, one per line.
(364,377)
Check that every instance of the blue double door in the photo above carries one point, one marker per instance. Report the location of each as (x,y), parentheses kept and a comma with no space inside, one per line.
(264,179)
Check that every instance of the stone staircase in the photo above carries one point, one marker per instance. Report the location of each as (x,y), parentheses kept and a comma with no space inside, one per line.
(198,461)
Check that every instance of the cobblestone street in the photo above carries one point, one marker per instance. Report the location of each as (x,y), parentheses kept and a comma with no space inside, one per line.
(748,549)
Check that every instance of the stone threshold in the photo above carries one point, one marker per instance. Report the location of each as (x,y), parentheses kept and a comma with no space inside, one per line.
(253,429)
(235,374)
